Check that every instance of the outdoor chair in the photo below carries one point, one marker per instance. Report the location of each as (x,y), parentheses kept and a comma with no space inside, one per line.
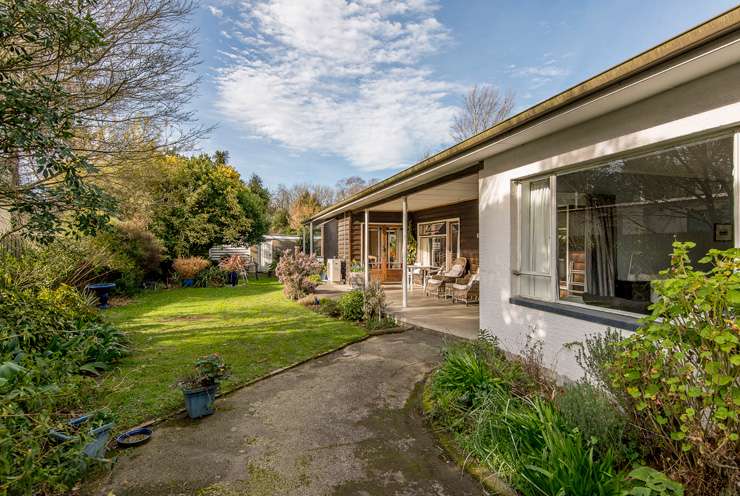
(466,290)
(436,284)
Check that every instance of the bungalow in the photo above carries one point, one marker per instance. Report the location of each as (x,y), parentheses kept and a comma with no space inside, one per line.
(569,208)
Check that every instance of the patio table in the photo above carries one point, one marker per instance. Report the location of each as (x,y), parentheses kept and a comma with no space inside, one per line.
(425,270)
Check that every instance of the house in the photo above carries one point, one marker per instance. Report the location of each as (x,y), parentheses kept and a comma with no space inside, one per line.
(569,208)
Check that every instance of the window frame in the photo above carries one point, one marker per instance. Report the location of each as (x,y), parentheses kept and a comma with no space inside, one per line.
(553,298)
(446,235)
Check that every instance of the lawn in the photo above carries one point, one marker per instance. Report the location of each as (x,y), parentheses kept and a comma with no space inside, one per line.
(254,327)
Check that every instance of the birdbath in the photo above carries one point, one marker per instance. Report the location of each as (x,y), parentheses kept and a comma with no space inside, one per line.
(101,289)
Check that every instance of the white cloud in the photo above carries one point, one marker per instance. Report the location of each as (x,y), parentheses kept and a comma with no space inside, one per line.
(215,11)
(338,77)
(546,71)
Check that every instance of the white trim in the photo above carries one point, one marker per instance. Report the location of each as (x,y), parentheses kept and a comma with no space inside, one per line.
(554,276)
(736,186)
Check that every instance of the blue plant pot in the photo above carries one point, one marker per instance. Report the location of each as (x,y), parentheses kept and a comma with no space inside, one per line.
(96,447)
(187,283)
(199,402)
(233,278)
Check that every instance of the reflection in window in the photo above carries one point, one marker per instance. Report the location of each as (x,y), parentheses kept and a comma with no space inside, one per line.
(616,222)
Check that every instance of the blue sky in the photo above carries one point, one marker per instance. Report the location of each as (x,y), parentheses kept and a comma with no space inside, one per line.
(317,90)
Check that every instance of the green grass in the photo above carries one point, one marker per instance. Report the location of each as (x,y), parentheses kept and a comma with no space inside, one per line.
(254,327)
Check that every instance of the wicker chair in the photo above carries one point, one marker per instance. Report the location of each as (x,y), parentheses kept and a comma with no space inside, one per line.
(436,284)
(466,290)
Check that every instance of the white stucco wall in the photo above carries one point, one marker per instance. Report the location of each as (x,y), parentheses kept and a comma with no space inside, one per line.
(709,103)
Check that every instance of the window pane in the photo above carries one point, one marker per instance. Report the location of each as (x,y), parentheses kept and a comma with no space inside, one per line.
(455,239)
(616,222)
(432,229)
(374,248)
(536,227)
(438,251)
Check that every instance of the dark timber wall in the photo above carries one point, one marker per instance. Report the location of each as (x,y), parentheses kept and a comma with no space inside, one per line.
(467,212)
(329,239)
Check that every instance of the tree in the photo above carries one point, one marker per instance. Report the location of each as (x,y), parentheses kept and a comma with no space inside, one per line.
(304,207)
(351,185)
(199,204)
(257,187)
(87,88)
(42,176)
(221,157)
(482,107)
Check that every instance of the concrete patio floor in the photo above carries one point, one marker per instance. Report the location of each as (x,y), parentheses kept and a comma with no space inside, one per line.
(425,312)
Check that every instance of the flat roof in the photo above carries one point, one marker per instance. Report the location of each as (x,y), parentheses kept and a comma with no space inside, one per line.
(680,44)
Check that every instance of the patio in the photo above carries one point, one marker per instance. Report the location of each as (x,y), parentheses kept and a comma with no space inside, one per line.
(424,312)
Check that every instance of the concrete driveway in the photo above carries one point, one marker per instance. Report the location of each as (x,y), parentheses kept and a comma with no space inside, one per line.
(344,424)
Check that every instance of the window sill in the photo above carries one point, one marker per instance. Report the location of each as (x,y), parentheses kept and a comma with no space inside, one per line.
(594,315)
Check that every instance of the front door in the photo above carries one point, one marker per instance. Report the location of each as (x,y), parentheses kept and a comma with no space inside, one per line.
(385,253)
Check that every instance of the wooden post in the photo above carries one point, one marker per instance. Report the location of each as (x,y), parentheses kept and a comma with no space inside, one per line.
(366,242)
(310,238)
(404,255)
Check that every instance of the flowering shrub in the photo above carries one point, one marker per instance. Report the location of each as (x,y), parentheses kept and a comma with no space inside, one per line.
(680,370)
(234,263)
(188,268)
(294,270)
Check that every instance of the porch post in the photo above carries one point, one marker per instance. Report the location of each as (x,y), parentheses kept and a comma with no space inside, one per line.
(404,255)
(310,238)
(366,242)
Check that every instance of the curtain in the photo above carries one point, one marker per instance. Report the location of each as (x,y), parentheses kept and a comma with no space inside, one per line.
(600,239)
(538,232)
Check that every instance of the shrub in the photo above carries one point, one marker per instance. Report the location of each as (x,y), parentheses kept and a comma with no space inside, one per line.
(351,305)
(553,459)
(51,341)
(308,300)
(374,301)
(189,268)
(591,411)
(680,370)
(234,263)
(213,277)
(329,307)
(386,322)
(134,243)
(294,270)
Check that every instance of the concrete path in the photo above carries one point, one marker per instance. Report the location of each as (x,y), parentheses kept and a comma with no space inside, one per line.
(344,424)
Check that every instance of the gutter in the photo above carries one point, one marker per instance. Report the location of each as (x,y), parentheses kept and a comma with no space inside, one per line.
(705,33)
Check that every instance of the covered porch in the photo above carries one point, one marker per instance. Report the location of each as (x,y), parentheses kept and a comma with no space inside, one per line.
(402,237)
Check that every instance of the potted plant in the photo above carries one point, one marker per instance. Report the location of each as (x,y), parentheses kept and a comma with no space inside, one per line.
(188,268)
(200,386)
(233,265)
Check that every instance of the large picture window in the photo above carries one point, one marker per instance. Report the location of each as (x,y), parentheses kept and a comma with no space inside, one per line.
(615,223)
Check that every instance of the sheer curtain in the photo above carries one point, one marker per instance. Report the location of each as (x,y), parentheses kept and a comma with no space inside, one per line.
(536,239)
